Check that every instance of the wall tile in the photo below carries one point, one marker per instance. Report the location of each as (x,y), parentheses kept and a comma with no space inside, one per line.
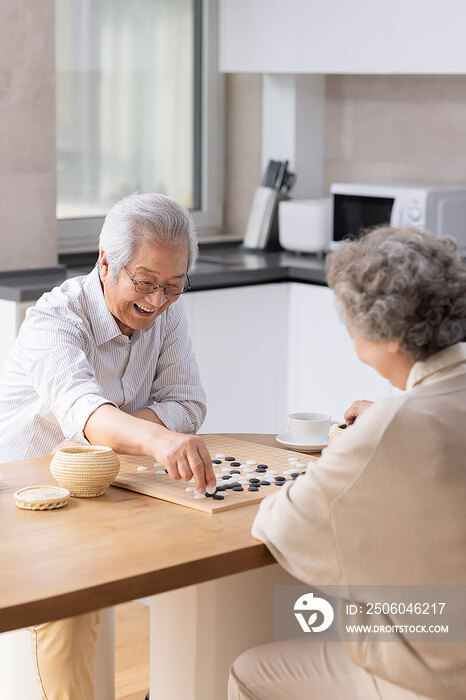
(388,128)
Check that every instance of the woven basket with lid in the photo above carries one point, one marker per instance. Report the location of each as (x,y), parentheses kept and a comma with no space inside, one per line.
(85,470)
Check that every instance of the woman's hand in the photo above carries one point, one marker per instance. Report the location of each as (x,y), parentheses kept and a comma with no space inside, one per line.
(355,410)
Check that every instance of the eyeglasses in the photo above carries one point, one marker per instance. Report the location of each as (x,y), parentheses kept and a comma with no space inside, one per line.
(170,290)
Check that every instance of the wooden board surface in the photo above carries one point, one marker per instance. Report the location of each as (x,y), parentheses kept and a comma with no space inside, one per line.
(162,486)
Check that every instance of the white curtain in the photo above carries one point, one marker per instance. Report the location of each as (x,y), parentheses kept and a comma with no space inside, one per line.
(125,107)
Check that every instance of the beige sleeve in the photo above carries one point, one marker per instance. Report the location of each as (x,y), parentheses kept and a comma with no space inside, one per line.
(295,525)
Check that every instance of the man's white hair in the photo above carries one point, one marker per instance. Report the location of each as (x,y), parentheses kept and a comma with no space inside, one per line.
(146,218)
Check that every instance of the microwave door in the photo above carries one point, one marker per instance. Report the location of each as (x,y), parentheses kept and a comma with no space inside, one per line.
(353,214)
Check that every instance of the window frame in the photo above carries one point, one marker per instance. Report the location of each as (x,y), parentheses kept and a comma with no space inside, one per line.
(80,235)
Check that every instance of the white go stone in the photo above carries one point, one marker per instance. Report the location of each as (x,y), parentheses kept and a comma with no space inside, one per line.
(158,471)
(199,495)
(219,456)
(243,466)
(157,464)
(226,469)
(211,489)
(292,459)
(143,469)
(251,462)
(299,464)
(248,469)
(190,488)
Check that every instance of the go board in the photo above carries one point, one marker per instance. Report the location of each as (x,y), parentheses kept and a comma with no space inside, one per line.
(160,485)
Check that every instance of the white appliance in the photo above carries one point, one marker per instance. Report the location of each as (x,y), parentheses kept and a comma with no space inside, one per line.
(304,225)
(440,209)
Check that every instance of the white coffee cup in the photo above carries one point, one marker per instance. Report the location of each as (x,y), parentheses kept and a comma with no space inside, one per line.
(309,428)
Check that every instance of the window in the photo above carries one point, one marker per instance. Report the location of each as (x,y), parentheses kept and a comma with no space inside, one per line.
(139,104)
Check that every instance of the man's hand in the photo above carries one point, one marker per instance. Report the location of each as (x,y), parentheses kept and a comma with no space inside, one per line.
(185,456)
(355,410)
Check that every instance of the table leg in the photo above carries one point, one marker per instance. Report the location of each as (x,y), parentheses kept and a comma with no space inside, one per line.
(197,632)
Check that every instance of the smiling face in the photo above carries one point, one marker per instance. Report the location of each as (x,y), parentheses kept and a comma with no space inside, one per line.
(157,264)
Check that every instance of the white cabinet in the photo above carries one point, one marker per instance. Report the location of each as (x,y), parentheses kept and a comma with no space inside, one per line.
(324,371)
(337,36)
(240,337)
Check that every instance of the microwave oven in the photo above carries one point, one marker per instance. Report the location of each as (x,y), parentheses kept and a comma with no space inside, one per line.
(440,209)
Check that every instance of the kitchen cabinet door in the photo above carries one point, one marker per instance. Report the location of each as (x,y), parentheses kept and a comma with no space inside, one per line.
(240,337)
(323,36)
(334,36)
(324,371)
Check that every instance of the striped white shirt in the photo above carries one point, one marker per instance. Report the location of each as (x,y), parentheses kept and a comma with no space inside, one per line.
(70,357)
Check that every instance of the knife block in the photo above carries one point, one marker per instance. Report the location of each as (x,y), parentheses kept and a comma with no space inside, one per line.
(262,227)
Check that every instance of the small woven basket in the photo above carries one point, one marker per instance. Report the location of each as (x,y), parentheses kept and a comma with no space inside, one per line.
(41,497)
(337,430)
(85,470)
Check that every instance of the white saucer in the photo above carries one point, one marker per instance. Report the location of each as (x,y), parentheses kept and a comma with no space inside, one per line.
(285,439)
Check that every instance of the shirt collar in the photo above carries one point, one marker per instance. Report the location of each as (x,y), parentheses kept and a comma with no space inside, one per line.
(436,364)
(104,326)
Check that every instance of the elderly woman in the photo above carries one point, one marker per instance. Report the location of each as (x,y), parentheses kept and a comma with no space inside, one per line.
(385,504)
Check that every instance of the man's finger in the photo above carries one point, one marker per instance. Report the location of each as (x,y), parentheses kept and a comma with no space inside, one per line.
(184,468)
(210,477)
(197,468)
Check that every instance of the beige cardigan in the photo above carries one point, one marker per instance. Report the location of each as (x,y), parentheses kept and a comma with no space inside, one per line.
(386,504)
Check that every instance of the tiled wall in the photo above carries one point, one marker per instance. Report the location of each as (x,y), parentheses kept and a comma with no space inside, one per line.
(27,135)
(377,129)
(395,128)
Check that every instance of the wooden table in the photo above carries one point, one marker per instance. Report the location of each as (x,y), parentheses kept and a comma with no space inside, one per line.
(99,552)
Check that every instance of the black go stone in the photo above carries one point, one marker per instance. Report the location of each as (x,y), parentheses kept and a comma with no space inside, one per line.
(238,488)
(280,478)
(295,474)
(229,459)
(221,488)
(254,481)
(262,466)
(253,488)
(216,461)
(232,485)
(235,464)
(235,471)
(265,483)
(226,476)
(261,470)
(217,497)
(279,483)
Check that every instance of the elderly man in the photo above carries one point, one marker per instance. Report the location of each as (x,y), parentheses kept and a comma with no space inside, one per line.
(106,359)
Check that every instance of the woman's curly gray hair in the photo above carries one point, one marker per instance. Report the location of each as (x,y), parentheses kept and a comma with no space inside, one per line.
(402,285)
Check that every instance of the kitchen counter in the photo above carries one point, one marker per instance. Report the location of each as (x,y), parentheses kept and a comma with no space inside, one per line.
(219,266)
